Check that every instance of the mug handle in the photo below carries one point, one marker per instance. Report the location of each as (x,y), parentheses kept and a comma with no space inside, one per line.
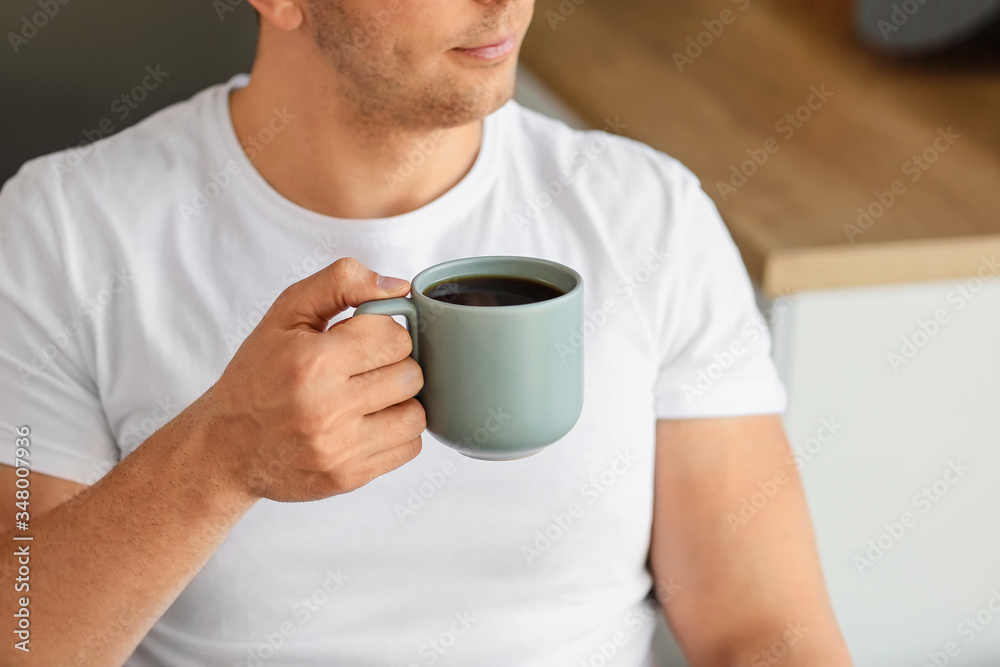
(398,306)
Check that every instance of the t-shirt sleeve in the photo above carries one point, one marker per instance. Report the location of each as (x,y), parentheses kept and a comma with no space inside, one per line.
(46,375)
(715,356)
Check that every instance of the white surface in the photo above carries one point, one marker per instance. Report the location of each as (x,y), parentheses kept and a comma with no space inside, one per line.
(900,430)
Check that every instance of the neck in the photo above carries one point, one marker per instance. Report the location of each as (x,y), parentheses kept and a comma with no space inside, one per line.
(311,146)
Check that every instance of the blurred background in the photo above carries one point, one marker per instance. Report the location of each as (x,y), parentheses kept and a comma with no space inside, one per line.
(853,148)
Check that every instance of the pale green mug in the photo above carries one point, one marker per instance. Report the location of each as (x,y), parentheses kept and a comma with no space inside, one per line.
(500,382)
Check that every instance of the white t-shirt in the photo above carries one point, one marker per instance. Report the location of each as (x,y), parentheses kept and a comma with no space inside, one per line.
(132,270)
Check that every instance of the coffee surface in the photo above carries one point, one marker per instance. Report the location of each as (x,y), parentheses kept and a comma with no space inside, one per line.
(491,291)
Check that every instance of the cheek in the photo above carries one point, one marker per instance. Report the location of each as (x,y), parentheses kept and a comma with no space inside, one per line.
(529,12)
(421,22)
(407,33)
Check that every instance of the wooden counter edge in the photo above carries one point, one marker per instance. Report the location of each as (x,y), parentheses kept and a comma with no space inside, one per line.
(798,269)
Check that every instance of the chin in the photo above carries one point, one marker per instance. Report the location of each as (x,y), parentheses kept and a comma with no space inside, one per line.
(451,99)
(486,93)
(469,112)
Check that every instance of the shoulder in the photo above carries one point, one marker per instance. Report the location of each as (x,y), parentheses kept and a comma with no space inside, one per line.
(599,183)
(157,146)
(84,208)
(598,154)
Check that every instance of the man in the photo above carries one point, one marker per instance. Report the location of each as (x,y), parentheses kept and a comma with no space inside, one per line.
(267,499)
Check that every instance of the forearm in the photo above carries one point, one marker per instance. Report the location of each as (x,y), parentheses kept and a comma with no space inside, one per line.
(105,565)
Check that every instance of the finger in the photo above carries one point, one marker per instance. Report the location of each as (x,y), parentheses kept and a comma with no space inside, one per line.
(314,301)
(393,425)
(362,471)
(367,342)
(379,388)
(390,459)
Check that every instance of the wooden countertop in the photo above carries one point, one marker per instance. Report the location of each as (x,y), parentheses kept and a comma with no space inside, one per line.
(796,217)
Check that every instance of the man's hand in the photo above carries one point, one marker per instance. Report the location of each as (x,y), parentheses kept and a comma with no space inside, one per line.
(303,412)
(743,590)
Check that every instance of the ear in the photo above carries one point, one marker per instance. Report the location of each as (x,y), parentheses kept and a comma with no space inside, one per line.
(282,14)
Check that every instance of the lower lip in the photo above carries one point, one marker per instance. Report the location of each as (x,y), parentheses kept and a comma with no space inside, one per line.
(492,52)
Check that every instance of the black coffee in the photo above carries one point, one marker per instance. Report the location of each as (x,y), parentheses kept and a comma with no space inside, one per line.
(491,291)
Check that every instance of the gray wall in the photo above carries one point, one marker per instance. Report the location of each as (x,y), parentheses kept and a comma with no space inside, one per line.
(64,80)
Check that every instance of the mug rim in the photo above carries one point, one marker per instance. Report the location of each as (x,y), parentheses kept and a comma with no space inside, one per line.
(417,290)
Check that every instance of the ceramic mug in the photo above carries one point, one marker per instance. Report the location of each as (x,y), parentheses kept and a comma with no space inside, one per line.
(500,382)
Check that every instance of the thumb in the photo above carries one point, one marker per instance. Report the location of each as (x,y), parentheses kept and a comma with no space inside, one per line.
(314,301)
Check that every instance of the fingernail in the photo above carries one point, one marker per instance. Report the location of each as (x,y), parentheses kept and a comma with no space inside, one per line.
(389,284)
